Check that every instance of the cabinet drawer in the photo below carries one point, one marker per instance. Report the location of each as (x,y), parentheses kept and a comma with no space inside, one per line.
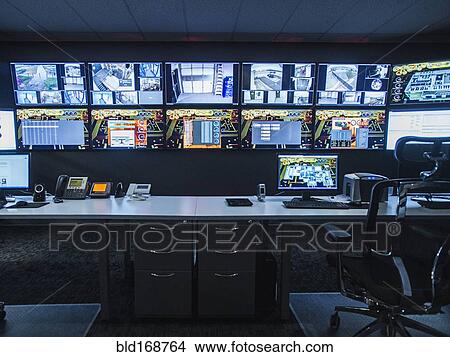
(167,294)
(161,261)
(226,261)
(226,294)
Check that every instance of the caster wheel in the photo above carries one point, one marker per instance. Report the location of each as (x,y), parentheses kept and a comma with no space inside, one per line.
(335,321)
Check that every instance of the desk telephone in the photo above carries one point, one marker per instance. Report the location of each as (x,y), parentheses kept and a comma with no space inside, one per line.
(71,188)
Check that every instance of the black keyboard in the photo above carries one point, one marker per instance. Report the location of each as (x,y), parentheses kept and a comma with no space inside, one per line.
(315,204)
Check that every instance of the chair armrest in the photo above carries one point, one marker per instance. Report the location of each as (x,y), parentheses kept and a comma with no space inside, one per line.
(336,234)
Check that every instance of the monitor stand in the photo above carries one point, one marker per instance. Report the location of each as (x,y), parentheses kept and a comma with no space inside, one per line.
(306,196)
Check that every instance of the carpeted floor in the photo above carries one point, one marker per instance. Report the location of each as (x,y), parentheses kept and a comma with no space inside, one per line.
(31,274)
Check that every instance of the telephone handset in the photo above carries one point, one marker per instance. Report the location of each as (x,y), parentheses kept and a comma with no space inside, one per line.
(71,188)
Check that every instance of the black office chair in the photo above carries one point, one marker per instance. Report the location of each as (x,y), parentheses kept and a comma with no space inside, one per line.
(412,277)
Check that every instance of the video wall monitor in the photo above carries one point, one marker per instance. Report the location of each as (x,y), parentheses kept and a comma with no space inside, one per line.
(202,83)
(7,130)
(14,171)
(307,172)
(276,128)
(278,83)
(426,123)
(426,82)
(202,129)
(349,129)
(49,84)
(352,84)
(53,129)
(126,83)
(127,129)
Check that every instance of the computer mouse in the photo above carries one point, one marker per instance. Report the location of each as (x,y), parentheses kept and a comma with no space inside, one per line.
(21,203)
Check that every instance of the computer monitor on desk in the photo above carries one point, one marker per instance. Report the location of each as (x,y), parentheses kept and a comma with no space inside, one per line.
(14,172)
(307,173)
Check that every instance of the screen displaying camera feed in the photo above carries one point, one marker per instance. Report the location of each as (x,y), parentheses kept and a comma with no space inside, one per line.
(7,130)
(53,129)
(427,82)
(202,83)
(202,129)
(126,83)
(307,172)
(278,83)
(352,84)
(49,84)
(276,128)
(349,129)
(127,129)
(424,123)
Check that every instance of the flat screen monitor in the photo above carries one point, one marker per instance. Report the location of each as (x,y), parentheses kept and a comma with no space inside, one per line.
(127,129)
(125,84)
(278,83)
(352,84)
(53,129)
(202,83)
(349,129)
(49,84)
(426,123)
(202,129)
(14,171)
(307,172)
(276,128)
(7,130)
(416,83)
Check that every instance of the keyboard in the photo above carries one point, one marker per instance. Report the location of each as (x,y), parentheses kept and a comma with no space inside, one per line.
(315,204)
(239,202)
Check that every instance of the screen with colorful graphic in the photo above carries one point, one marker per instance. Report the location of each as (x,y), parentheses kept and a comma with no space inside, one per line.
(276,128)
(278,83)
(352,84)
(53,129)
(127,129)
(126,83)
(49,84)
(202,83)
(349,129)
(202,129)
(426,82)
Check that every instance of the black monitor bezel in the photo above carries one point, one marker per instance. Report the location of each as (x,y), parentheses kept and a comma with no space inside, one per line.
(28,155)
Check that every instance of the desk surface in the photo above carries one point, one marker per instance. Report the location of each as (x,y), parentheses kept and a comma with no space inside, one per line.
(195,208)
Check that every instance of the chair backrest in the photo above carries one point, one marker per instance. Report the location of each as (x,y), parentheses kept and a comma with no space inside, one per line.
(440,276)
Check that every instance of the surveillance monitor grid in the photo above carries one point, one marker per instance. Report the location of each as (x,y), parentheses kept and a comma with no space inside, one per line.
(53,129)
(202,83)
(352,84)
(424,123)
(349,129)
(7,130)
(307,172)
(14,171)
(276,128)
(126,83)
(420,83)
(49,84)
(202,129)
(127,129)
(278,83)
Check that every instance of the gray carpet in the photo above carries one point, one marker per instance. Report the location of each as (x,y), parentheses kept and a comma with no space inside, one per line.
(48,320)
(312,312)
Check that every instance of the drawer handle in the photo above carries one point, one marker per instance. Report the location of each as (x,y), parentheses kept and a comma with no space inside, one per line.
(158,252)
(162,275)
(226,275)
(225,252)
(234,229)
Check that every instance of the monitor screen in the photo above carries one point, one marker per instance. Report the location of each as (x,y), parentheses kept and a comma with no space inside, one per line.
(307,172)
(14,171)
(427,123)
(202,83)
(53,129)
(126,83)
(49,84)
(352,84)
(427,82)
(127,129)
(202,129)
(7,130)
(278,83)
(276,128)
(349,129)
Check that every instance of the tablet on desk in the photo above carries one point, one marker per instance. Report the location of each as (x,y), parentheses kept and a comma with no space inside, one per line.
(239,202)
